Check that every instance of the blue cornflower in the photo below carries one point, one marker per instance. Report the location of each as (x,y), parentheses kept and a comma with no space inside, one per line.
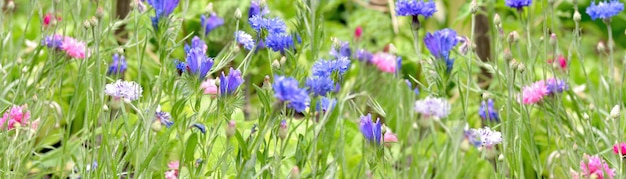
(256,8)
(320,85)
(280,42)
(118,66)
(325,104)
(342,50)
(416,90)
(200,127)
(556,86)
(605,9)
(415,8)
(286,90)
(164,118)
(180,67)
(272,25)
(487,111)
(211,23)
(364,56)
(440,44)
(197,61)
(53,41)
(244,39)
(162,8)
(473,137)
(371,131)
(230,83)
(327,67)
(518,4)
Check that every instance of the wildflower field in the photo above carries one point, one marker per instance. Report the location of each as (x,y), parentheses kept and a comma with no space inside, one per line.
(312,89)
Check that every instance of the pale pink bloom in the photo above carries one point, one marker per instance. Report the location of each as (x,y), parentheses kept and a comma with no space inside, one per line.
(35,124)
(390,138)
(74,48)
(173,165)
(172,174)
(595,167)
(15,115)
(385,62)
(209,87)
(535,92)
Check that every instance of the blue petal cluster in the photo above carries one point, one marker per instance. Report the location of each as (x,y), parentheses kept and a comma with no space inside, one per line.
(487,111)
(197,61)
(518,4)
(320,85)
(280,42)
(230,83)
(53,41)
(256,8)
(364,56)
(440,44)
(272,25)
(164,118)
(211,23)
(371,131)
(604,9)
(556,86)
(327,67)
(162,8)
(415,8)
(244,39)
(118,66)
(286,90)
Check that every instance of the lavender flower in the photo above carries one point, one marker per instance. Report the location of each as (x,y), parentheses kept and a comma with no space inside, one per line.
(280,42)
(440,44)
(604,9)
(320,85)
(53,41)
(341,49)
(286,90)
(430,106)
(244,39)
(364,56)
(555,86)
(211,23)
(487,111)
(518,4)
(415,8)
(230,83)
(123,89)
(118,66)
(488,138)
(256,8)
(162,8)
(163,117)
(197,61)
(371,131)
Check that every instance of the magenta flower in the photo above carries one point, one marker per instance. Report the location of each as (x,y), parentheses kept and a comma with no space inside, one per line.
(15,115)
(535,92)
(385,62)
(74,48)
(595,167)
(620,148)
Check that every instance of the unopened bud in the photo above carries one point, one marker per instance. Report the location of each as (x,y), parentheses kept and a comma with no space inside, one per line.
(87,24)
(473,7)
(282,131)
(93,21)
(25,70)
(513,37)
(601,47)
(295,173)
(283,59)
(615,112)
(358,32)
(521,67)
(507,55)
(513,64)
(238,13)
(99,13)
(576,16)
(156,126)
(266,83)
(209,8)
(138,4)
(497,21)
(553,39)
(236,49)
(486,96)
(10,5)
(231,129)
(276,64)
(105,108)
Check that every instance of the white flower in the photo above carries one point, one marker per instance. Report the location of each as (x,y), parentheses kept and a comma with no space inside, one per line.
(128,90)
(430,106)
(615,111)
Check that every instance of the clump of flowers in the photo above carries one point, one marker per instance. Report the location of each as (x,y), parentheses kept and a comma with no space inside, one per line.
(211,23)
(198,63)
(119,89)
(118,66)
(287,90)
(594,167)
(433,107)
(604,9)
(440,44)
(518,4)
(370,130)
(328,67)
(16,115)
(487,111)
(620,149)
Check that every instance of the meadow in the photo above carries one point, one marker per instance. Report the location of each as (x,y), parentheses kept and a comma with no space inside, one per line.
(312,89)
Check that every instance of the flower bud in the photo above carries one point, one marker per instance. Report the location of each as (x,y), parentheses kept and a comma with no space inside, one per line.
(358,32)
(87,24)
(497,21)
(513,37)
(156,126)
(392,49)
(473,7)
(276,64)
(615,112)
(486,96)
(513,64)
(576,16)
(507,55)
(93,21)
(283,59)
(266,83)
(238,13)
(601,47)
(231,129)
(553,39)
(99,13)
(295,173)
(521,67)
(105,107)
(282,131)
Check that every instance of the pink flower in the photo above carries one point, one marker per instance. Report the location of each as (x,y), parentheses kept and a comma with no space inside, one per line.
(620,148)
(209,87)
(385,62)
(49,19)
(561,60)
(389,138)
(358,32)
(535,92)
(173,165)
(173,172)
(15,115)
(595,167)
(74,48)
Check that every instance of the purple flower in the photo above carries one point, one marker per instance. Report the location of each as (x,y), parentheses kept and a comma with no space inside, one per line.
(118,66)
(286,90)
(244,39)
(518,4)
(415,8)
(483,137)
(364,56)
(604,9)
(371,131)
(327,67)
(430,106)
(342,49)
(256,8)
(556,86)
(230,83)
(320,85)
(180,66)
(197,61)
(325,104)
(211,23)
(162,8)
(440,44)
(272,25)
(163,117)
(53,41)
(123,89)
(487,111)
(280,42)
